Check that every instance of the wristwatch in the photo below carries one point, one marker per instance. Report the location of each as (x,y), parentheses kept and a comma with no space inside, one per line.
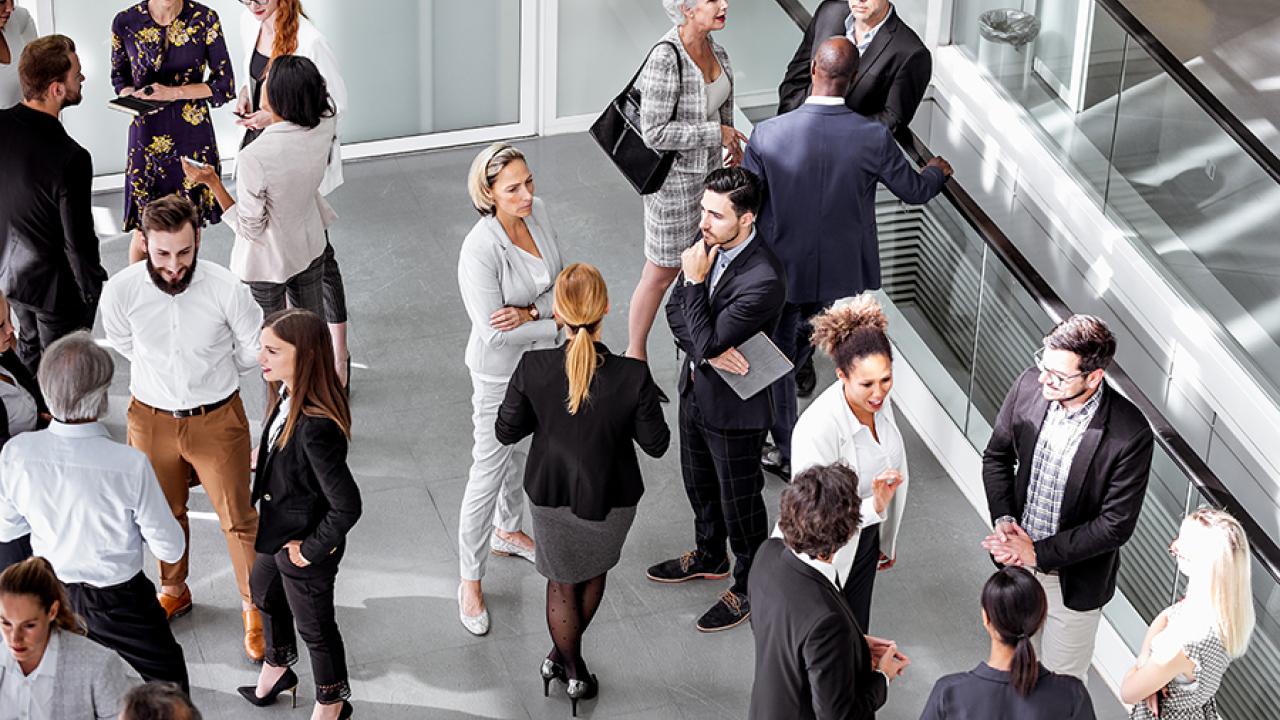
(533,312)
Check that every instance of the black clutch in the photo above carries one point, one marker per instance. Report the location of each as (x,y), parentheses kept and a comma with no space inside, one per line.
(617,131)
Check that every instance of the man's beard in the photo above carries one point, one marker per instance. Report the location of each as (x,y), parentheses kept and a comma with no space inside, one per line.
(72,100)
(176,287)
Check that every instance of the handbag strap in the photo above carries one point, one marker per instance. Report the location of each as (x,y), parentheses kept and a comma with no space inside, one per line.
(679,73)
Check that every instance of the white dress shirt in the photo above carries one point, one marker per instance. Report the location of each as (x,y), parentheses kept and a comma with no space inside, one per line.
(30,697)
(18,33)
(829,100)
(828,432)
(18,404)
(89,502)
(828,570)
(185,350)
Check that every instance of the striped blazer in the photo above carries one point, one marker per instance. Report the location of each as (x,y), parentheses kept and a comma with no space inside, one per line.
(697,138)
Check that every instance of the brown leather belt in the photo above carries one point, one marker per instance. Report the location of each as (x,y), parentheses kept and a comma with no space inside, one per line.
(192,412)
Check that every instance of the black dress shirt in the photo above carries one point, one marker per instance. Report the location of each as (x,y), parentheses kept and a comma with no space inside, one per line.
(305,490)
(984,693)
(49,256)
(585,461)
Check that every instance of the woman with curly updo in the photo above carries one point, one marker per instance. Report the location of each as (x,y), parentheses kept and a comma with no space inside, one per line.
(852,422)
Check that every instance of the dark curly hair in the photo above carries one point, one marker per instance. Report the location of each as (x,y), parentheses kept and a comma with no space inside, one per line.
(851,331)
(819,510)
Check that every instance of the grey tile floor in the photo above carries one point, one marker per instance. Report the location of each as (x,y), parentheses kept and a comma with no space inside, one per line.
(402,221)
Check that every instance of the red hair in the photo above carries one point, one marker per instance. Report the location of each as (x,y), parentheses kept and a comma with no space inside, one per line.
(286,40)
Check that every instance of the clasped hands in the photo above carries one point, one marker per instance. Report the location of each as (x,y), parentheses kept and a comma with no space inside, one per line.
(1009,544)
(886,658)
(154,91)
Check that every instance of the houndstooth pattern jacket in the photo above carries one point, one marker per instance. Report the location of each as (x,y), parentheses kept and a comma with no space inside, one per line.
(696,138)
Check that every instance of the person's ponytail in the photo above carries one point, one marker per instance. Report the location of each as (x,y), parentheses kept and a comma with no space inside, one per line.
(582,299)
(580,365)
(1016,607)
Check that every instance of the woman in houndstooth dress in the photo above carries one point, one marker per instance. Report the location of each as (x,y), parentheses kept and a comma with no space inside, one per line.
(1189,646)
(695,80)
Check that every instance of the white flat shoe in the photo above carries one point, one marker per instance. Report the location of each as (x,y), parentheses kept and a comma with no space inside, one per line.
(476,625)
(506,548)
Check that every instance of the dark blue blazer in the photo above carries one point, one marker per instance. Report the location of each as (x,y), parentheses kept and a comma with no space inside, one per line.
(820,165)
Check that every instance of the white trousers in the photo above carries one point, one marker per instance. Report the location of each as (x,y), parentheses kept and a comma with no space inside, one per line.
(1065,643)
(494,496)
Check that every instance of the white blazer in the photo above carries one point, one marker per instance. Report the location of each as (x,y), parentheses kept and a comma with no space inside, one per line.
(313,46)
(828,432)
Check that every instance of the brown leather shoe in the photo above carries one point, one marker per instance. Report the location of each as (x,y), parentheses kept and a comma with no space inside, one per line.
(175,607)
(255,645)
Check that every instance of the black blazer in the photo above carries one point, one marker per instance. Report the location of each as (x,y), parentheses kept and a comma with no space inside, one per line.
(892,75)
(747,300)
(984,694)
(1105,487)
(820,166)
(812,659)
(584,461)
(305,490)
(48,250)
(14,367)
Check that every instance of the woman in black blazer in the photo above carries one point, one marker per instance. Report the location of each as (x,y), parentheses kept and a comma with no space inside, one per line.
(584,407)
(1011,683)
(307,503)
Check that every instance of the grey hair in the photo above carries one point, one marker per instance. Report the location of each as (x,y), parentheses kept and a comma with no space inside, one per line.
(675,9)
(74,376)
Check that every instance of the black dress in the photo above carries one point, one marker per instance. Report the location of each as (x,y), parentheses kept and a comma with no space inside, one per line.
(257,73)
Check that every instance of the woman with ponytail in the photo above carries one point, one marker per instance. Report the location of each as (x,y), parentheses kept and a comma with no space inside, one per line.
(584,407)
(851,422)
(1189,646)
(51,670)
(271,29)
(1011,683)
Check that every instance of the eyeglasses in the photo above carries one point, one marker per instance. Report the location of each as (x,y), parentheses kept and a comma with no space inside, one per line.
(255,3)
(1056,379)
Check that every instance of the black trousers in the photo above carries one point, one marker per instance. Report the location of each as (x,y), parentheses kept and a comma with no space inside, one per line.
(285,594)
(304,291)
(14,551)
(862,578)
(128,619)
(723,480)
(335,294)
(38,329)
(792,338)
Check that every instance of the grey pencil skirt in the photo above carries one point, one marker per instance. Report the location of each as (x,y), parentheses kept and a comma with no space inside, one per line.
(573,550)
(672,217)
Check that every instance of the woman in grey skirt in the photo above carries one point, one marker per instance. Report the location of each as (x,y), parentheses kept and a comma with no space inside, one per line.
(584,407)
(687,72)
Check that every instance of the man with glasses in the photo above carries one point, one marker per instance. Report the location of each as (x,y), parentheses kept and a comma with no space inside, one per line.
(1065,474)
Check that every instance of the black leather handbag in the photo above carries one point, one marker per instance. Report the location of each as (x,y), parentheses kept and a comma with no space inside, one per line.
(617,131)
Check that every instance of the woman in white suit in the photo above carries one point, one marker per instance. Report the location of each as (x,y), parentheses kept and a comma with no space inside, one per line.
(280,27)
(49,668)
(506,272)
(852,422)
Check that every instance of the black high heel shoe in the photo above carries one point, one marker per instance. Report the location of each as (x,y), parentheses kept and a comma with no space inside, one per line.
(551,671)
(288,682)
(347,711)
(582,690)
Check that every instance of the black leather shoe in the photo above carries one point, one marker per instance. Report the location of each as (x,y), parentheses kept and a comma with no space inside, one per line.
(806,379)
(689,566)
(771,461)
(730,611)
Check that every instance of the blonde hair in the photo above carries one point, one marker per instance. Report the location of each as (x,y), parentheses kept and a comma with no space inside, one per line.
(484,173)
(582,299)
(852,330)
(1221,549)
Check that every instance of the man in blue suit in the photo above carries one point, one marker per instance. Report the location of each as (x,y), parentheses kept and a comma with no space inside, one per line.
(819,165)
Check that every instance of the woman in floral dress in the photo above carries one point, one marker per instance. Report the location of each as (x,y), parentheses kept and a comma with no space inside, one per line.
(173,51)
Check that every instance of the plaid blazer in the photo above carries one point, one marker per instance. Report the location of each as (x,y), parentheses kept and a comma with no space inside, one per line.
(691,133)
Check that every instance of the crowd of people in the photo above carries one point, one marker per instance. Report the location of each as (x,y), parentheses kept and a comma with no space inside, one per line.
(775,238)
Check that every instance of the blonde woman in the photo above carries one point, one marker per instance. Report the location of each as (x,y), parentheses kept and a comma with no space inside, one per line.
(1189,646)
(584,407)
(505,271)
(852,422)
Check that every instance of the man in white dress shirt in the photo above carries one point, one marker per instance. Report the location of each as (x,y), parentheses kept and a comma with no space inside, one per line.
(90,504)
(190,329)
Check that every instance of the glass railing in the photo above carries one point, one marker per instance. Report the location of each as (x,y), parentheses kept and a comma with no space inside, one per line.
(1196,190)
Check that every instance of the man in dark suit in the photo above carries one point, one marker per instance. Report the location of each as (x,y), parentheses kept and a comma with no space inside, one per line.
(22,409)
(49,262)
(1065,474)
(819,166)
(812,658)
(732,288)
(896,66)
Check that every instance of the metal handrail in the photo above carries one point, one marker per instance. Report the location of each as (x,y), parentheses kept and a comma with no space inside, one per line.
(1264,547)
